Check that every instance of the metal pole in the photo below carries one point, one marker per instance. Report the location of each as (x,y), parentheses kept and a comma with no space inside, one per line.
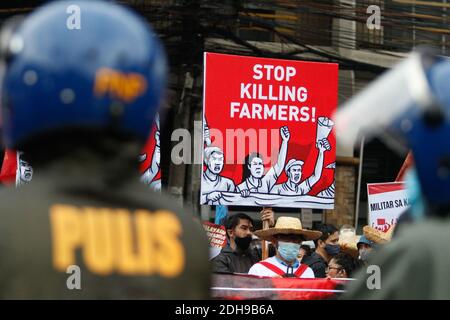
(358,190)
(264,244)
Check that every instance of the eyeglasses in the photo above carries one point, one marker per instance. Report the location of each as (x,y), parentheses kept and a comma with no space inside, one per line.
(327,269)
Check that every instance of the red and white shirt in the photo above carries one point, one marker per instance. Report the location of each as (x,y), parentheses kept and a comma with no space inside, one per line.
(273,267)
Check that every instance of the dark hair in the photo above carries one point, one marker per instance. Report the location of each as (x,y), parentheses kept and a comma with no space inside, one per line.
(233,221)
(278,236)
(247,161)
(346,262)
(307,249)
(326,229)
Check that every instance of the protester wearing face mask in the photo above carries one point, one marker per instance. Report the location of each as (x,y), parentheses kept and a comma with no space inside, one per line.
(286,236)
(365,246)
(327,246)
(238,256)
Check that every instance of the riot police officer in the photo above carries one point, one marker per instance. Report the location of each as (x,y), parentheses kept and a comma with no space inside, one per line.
(81,83)
(410,106)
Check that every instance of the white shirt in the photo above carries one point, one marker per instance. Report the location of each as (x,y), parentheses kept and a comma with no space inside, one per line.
(262,271)
(327,193)
(265,184)
(156,185)
(286,190)
(219,184)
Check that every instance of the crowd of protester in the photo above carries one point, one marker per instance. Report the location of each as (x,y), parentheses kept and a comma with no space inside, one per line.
(292,250)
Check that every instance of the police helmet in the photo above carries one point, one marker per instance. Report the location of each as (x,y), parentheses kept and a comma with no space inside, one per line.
(77,65)
(410,107)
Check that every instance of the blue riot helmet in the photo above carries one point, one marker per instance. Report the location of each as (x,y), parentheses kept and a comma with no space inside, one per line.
(73,65)
(408,106)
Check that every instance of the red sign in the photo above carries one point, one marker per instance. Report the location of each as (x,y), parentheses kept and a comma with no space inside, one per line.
(216,234)
(15,169)
(9,167)
(386,202)
(150,159)
(269,138)
(240,287)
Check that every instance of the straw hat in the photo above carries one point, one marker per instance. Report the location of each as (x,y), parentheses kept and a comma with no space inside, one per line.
(287,225)
(349,243)
(378,236)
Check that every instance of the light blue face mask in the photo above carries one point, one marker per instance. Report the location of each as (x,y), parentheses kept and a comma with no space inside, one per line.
(414,195)
(288,250)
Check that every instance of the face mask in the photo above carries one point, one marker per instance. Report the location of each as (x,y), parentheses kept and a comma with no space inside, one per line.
(364,254)
(288,250)
(243,242)
(332,249)
(414,193)
(256,245)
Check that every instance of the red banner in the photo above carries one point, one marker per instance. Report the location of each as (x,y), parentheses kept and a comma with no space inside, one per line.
(240,287)
(268,134)
(15,170)
(407,164)
(376,188)
(9,167)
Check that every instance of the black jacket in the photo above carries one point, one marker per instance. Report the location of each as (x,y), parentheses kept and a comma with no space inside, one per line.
(127,242)
(235,261)
(317,264)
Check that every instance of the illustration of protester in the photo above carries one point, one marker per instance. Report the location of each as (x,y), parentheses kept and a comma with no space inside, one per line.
(212,182)
(206,133)
(254,178)
(152,171)
(24,170)
(294,170)
(329,192)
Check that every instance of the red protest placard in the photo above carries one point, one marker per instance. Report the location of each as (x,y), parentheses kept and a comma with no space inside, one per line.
(269,138)
(386,202)
(150,159)
(9,168)
(15,169)
(216,234)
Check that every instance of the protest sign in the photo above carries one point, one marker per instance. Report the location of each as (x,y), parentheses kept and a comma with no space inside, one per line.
(150,159)
(387,201)
(8,174)
(217,237)
(269,138)
(15,169)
